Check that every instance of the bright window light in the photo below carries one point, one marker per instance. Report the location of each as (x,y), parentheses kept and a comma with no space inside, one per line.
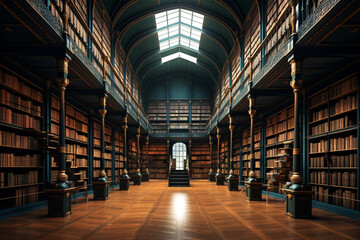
(179,27)
(178,55)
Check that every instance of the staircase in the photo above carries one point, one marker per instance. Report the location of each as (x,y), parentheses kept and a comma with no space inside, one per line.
(179,178)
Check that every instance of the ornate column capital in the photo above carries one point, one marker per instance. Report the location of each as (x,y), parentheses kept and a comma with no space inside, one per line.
(252,110)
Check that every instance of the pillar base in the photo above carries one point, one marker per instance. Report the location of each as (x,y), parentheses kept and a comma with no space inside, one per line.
(59,199)
(145,176)
(101,190)
(137,179)
(212,177)
(220,179)
(298,203)
(232,183)
(253,190)
(124,184)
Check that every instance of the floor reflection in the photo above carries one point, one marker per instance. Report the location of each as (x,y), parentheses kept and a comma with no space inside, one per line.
(179,206)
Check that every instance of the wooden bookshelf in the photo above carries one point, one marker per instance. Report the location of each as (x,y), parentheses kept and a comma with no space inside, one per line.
(236,153)
(158,160)
(333,127)
(132,158)
(76,141)
(278,147)
(200,113)
(21,163)
(200,160)
(97,149)
(119,153)
(224,156)
(157,112)
(245,151)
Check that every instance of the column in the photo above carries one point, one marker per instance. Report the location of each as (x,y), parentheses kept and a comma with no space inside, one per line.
(233,180)
(101,184)
(59,200)
(220,178)
(145,174)
(211,172)
(298,196)
(137,176)
(124,177)
(253,185)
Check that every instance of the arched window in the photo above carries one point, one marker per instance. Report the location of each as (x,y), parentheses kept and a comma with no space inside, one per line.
(179,153)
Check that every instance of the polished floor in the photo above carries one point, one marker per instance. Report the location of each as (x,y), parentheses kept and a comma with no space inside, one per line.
(155,211)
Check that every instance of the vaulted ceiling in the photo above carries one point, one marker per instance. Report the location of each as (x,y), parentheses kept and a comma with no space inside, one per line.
(136,31)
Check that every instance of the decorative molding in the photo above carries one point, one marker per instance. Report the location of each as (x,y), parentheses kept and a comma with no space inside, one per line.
(41,8)
(320,11)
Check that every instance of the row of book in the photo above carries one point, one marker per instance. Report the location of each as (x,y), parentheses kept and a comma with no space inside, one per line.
(10,139)
(97,154)
(119,164)
(201,157)
(344,104)
(13,82)
(204,170)
(247,164)
(200,175)
(246,156)
(349,160)
(71,133)
(246,173)
(18,102)
(12,160)
(319,114)
(107,164)
(343,143)
(26,195)
(347,179)
(344,87)
(271,152)
(319,98)
(24,120)
(10,179)
(318,147)
(76,149)
(319,177)
(79,126)
(81,162)
(200,164)
(344,198)
(336,124)
(282,116)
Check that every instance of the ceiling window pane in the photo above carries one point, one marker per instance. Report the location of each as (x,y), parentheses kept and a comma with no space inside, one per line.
(179,27)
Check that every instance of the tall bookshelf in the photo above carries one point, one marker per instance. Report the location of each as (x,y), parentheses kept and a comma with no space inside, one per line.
(224,156)
(179,116)
(333,138)
(245,151)
(278,147)
(158,162)
(21,164)
(119,153)
(236,153)
(200,113)
(76,140)
(132,160)
(200,160)
(157,112)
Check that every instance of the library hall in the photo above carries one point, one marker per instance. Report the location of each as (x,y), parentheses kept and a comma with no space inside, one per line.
(179,119)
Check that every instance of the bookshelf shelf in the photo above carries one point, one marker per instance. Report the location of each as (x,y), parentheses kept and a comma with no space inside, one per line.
(333,170)
(279,129)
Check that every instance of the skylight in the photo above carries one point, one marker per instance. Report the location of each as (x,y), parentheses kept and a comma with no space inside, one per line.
(178,55)
(179,27)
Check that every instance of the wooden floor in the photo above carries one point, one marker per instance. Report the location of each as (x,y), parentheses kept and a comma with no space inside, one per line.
(155,211)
